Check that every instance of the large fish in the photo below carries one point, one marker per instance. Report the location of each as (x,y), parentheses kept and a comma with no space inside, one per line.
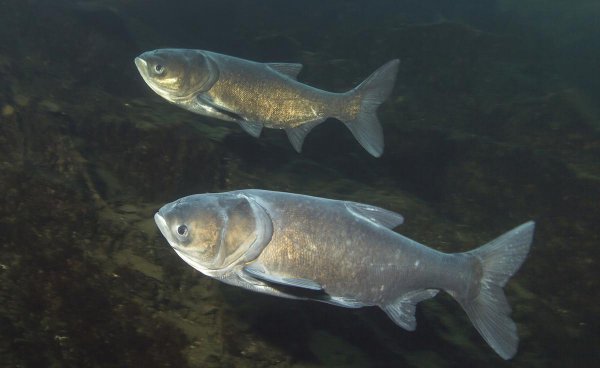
(343,253)
(257,95)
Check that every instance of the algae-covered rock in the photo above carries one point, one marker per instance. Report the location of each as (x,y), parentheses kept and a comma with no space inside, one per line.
(58,299)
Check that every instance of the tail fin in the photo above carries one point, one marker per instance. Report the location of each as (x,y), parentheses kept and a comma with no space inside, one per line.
(374,90)
(489,311)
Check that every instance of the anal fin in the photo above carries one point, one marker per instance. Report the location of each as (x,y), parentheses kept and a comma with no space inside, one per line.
(402,310)
(344,302)
(252,128)
(296,135)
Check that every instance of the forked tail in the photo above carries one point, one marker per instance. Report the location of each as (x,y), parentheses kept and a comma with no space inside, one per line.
(373,91)
(488,310)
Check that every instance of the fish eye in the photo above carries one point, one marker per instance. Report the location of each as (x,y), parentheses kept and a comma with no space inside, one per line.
(182,230)
(159,68)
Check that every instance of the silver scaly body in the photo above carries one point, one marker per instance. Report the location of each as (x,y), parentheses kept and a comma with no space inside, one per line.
(342,253)
(257,95)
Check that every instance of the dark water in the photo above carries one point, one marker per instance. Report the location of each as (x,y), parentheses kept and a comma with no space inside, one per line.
(493,121)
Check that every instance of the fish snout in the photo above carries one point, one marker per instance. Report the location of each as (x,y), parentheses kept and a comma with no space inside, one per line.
(161,223)
(141,63)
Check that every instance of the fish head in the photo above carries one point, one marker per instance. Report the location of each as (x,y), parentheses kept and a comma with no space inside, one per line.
(214,233)
(177,74)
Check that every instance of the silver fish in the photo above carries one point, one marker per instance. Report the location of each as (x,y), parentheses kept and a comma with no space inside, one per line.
(257,95)
(342,253)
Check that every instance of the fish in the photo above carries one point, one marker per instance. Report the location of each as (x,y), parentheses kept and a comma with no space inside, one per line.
(257,95)
(342,253)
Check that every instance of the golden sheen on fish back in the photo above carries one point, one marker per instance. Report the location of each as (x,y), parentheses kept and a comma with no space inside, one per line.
(257,95)
(342,253)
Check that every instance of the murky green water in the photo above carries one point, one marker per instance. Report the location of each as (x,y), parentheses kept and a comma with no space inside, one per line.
(493,121)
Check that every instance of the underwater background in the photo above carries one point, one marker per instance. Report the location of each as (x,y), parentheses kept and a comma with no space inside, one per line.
(494,120)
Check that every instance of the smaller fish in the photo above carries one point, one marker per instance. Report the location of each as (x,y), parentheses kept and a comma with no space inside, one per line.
(257,95)
(342,253)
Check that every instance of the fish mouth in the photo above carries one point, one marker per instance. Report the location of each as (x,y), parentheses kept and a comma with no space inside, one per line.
(142,66)
(163,227)
(188,258)
(140,63)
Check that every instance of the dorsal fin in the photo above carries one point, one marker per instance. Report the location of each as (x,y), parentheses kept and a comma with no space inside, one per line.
(290,69)
(251,128)
(375,214)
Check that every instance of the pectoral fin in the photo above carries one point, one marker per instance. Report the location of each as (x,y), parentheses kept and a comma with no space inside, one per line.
(289,69)
(205,103)
(261,274)
(251,127)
